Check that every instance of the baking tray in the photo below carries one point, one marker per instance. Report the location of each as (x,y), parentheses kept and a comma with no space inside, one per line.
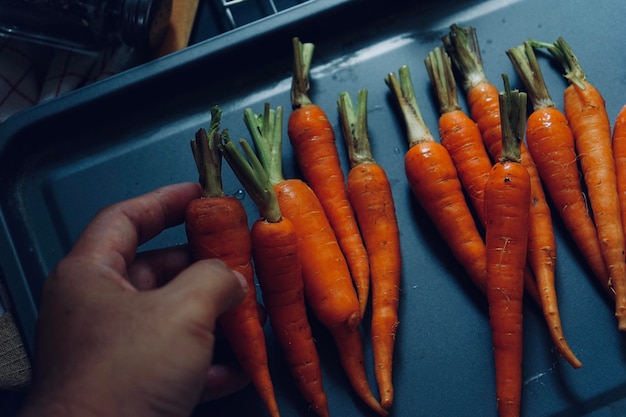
(63,160)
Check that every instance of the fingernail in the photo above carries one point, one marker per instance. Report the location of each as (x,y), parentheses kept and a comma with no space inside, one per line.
(242,280)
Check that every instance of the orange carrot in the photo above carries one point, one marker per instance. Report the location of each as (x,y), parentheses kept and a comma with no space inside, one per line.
(313,141)
(462,45)
(461,136)
(328,286)
(435,183)
(507,204)
(370,195)
(459,133)
(586,113)
(619,154)
(279,273)
(217,227)
(551,143)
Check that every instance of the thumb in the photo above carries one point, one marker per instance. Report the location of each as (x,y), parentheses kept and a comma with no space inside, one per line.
(206,289)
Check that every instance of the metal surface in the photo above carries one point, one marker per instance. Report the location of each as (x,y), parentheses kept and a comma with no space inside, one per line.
(61,162)
(216,17)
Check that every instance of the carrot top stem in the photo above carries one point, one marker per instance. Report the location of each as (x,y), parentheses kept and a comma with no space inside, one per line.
(252,175)
(439,67)
(354,127)
(527,67)
(461,43)
(566,57)
(513,120)
(266,132)
(302,56)
(207,156)
(417,131)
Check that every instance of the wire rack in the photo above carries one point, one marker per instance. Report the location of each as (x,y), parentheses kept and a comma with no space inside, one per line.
(235,13)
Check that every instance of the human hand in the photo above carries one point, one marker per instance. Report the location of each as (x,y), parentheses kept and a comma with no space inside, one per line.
(125,334)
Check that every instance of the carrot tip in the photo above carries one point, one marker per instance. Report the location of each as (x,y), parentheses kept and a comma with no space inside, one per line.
(621,322)
(386,403)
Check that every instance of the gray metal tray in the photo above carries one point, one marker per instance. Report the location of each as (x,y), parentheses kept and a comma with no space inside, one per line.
(62,161)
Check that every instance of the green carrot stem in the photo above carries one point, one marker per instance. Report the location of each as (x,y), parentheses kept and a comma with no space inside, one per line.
(512,120)
(462,46)
(302,56)
(354,128)
(266,131)
(403,90)
(252,176)
(527,67)
(439,68)
(564,54)
(207,156)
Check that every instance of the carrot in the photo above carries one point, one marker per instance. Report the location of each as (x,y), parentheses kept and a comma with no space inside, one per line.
(586,113)
(462,138)
(328,286)
(217,227)
(435,183)
(459,133)
(507,204)
(313,141)
(482,96)
(371,197)
(551,143)
(462,45)
(619,155)
(279,273)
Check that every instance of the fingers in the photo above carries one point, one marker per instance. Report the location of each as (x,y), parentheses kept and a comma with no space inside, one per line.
(224,379)
(153,269)
(205,290)
(115,232)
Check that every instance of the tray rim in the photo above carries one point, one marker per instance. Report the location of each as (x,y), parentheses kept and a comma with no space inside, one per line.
(147,73)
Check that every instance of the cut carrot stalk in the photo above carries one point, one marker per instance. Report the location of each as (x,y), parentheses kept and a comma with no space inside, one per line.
(313,141)
(551,142)
(217,227)
(507,204)
(371,197)
(586,113)
(328,286)
(435,183)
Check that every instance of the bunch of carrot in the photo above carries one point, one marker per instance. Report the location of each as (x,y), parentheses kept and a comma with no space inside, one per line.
(587,116)
(217,227)
(482,96)
(326,241)
(317,243)
(279,271)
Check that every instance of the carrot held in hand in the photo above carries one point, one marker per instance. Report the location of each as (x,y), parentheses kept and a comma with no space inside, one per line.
(370,195)
(217,227)
(586,113)
(313,141)
(507,203)
(279,273)
(551,143)
(435,183)
(328,286)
